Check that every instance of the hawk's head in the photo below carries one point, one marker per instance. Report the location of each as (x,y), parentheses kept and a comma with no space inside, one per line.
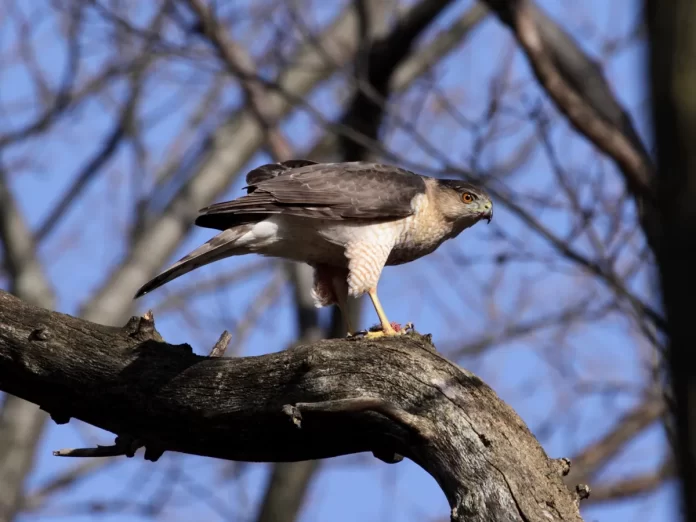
(461,201)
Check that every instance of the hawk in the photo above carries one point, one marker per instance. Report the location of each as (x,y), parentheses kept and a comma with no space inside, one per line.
(346,220)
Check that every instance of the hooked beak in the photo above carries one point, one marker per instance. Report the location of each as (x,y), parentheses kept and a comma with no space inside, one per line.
(487,214)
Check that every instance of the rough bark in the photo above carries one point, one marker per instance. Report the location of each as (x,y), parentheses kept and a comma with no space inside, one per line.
(335,397)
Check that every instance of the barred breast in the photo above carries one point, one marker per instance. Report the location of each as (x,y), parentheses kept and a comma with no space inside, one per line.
(419,234)
(325,241)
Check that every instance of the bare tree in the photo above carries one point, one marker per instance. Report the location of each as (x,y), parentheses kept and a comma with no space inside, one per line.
(148,113)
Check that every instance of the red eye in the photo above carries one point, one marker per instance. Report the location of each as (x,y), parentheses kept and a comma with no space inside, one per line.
(467,198)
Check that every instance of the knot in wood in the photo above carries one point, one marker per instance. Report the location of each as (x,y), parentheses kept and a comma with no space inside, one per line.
(562,466)
(153,452)
(40,334)
(582,491)
(294,413)
(143,328)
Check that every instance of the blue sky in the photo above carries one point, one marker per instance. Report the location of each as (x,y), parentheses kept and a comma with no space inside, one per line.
(449,295)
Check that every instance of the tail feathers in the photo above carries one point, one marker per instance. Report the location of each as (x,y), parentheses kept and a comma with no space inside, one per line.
(219,247)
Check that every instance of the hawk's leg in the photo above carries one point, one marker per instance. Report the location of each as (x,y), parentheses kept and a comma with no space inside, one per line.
(387,328)
(366,259)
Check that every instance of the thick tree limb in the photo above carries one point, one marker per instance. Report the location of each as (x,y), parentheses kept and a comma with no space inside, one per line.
(557,58)
(602,133)
(352,396)
(375,71)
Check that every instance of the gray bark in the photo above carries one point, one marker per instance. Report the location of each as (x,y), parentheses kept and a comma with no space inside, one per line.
(394,396)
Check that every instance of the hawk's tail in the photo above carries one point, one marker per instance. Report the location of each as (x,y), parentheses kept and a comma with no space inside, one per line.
(221,246)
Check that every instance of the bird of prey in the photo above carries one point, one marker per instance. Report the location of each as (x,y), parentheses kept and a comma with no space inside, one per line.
(346,220)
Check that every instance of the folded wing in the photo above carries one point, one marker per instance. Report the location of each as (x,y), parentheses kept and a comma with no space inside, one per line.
(333,191)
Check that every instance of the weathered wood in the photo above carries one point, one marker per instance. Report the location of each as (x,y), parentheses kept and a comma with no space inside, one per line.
(395,397)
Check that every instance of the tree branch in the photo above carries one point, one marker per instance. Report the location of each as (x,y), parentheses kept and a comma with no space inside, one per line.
(24,268)
(352,396)
(579,90)
(642,484)
(596,455)
(605,136)
(225,151)
(410,69)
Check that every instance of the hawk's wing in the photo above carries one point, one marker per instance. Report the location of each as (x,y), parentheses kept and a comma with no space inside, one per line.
(334,191)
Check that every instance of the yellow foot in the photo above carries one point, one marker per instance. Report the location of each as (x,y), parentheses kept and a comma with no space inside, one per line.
(374,334)
(394,329)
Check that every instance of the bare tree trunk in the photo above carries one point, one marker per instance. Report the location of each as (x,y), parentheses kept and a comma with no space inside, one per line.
(673,82)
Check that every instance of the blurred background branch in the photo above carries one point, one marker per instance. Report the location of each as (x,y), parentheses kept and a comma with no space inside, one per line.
(120,119)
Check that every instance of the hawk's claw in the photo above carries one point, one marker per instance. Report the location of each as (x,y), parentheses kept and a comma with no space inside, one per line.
(377,331)
(374,334)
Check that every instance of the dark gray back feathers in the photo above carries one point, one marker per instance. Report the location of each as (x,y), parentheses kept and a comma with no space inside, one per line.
(271,170)
(333,191)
